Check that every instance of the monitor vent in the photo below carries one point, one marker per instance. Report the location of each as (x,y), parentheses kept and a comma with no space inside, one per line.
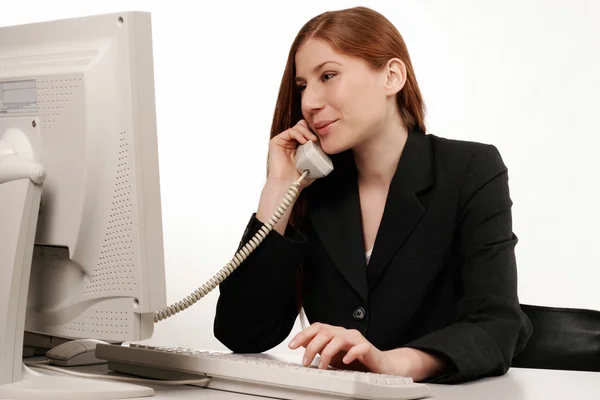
(101,323)
(115,270)
(53,95)
(50,60)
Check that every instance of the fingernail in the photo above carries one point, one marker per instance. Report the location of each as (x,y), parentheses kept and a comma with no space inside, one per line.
(292,343)
(305,361)
(320,364)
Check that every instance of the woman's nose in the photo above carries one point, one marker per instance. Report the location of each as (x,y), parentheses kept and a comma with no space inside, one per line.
(312,100)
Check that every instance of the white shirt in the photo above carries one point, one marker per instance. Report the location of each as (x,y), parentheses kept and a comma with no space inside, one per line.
(368,255)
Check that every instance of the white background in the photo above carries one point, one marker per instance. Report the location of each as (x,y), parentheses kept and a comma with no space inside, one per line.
(523,75)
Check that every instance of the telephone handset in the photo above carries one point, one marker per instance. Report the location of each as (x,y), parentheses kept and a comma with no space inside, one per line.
(311,161)
(309,156)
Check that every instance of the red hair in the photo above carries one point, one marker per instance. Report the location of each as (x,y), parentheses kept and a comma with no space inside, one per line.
(357,32)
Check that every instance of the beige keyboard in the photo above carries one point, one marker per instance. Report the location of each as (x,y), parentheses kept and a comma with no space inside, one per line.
(257,374)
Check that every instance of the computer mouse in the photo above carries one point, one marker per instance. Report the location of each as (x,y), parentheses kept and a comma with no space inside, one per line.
(75,353)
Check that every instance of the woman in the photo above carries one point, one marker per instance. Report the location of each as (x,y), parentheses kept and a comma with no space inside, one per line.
(403,257)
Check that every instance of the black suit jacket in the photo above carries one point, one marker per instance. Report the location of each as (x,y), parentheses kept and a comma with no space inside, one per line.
(442,276)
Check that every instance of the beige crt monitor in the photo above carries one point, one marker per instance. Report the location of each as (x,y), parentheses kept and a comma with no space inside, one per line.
(77,102)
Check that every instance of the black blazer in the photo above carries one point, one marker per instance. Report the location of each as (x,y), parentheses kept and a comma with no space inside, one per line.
(442,276)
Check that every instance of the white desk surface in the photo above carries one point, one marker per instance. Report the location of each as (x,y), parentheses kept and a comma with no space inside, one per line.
(517,384)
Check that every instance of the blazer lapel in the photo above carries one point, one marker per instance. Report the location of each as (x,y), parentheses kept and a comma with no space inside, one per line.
(337,221)
(403,208)
(336,216)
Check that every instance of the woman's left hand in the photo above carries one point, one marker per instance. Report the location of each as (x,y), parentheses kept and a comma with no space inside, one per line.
(339,347)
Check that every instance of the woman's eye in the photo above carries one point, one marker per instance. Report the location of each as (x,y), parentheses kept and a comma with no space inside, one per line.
(324,77)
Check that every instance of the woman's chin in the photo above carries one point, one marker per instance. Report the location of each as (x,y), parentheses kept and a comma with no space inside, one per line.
(332,148)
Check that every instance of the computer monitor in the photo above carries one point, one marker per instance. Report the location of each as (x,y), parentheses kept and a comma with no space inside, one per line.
(77,98)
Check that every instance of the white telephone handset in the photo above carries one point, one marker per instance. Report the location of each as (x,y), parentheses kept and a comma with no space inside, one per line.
(309,156)
(311,161)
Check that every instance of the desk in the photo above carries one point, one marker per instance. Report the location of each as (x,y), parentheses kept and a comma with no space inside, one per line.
(517,384)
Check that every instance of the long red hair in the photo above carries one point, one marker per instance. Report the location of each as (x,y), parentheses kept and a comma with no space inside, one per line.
(359,32)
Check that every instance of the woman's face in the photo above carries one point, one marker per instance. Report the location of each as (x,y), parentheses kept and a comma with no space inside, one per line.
(343,99)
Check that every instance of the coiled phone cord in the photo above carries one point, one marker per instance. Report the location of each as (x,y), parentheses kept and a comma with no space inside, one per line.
(238,258)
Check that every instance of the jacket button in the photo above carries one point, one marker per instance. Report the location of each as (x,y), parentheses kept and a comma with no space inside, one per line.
(358,313)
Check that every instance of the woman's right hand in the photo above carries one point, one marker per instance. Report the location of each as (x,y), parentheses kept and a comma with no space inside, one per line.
(282,154)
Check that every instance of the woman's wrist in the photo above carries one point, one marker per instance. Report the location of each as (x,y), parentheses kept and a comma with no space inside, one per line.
(417,364)
(271,197)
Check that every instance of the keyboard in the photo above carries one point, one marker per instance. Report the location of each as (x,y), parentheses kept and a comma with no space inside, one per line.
(257,374)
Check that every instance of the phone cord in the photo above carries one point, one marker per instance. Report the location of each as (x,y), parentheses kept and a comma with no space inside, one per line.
(238,258)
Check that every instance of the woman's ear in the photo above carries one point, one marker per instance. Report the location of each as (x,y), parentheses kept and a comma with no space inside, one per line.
(395,76)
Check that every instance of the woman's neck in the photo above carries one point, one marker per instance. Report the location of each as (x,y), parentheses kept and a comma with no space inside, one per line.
(377,158)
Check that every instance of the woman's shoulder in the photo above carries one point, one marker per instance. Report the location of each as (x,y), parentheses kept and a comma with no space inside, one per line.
(464,147)
(467,152)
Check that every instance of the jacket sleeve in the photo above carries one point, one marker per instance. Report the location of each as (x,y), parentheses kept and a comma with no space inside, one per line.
(256,308)
(489,327)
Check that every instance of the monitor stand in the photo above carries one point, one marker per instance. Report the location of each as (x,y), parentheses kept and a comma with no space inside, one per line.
(21,182)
